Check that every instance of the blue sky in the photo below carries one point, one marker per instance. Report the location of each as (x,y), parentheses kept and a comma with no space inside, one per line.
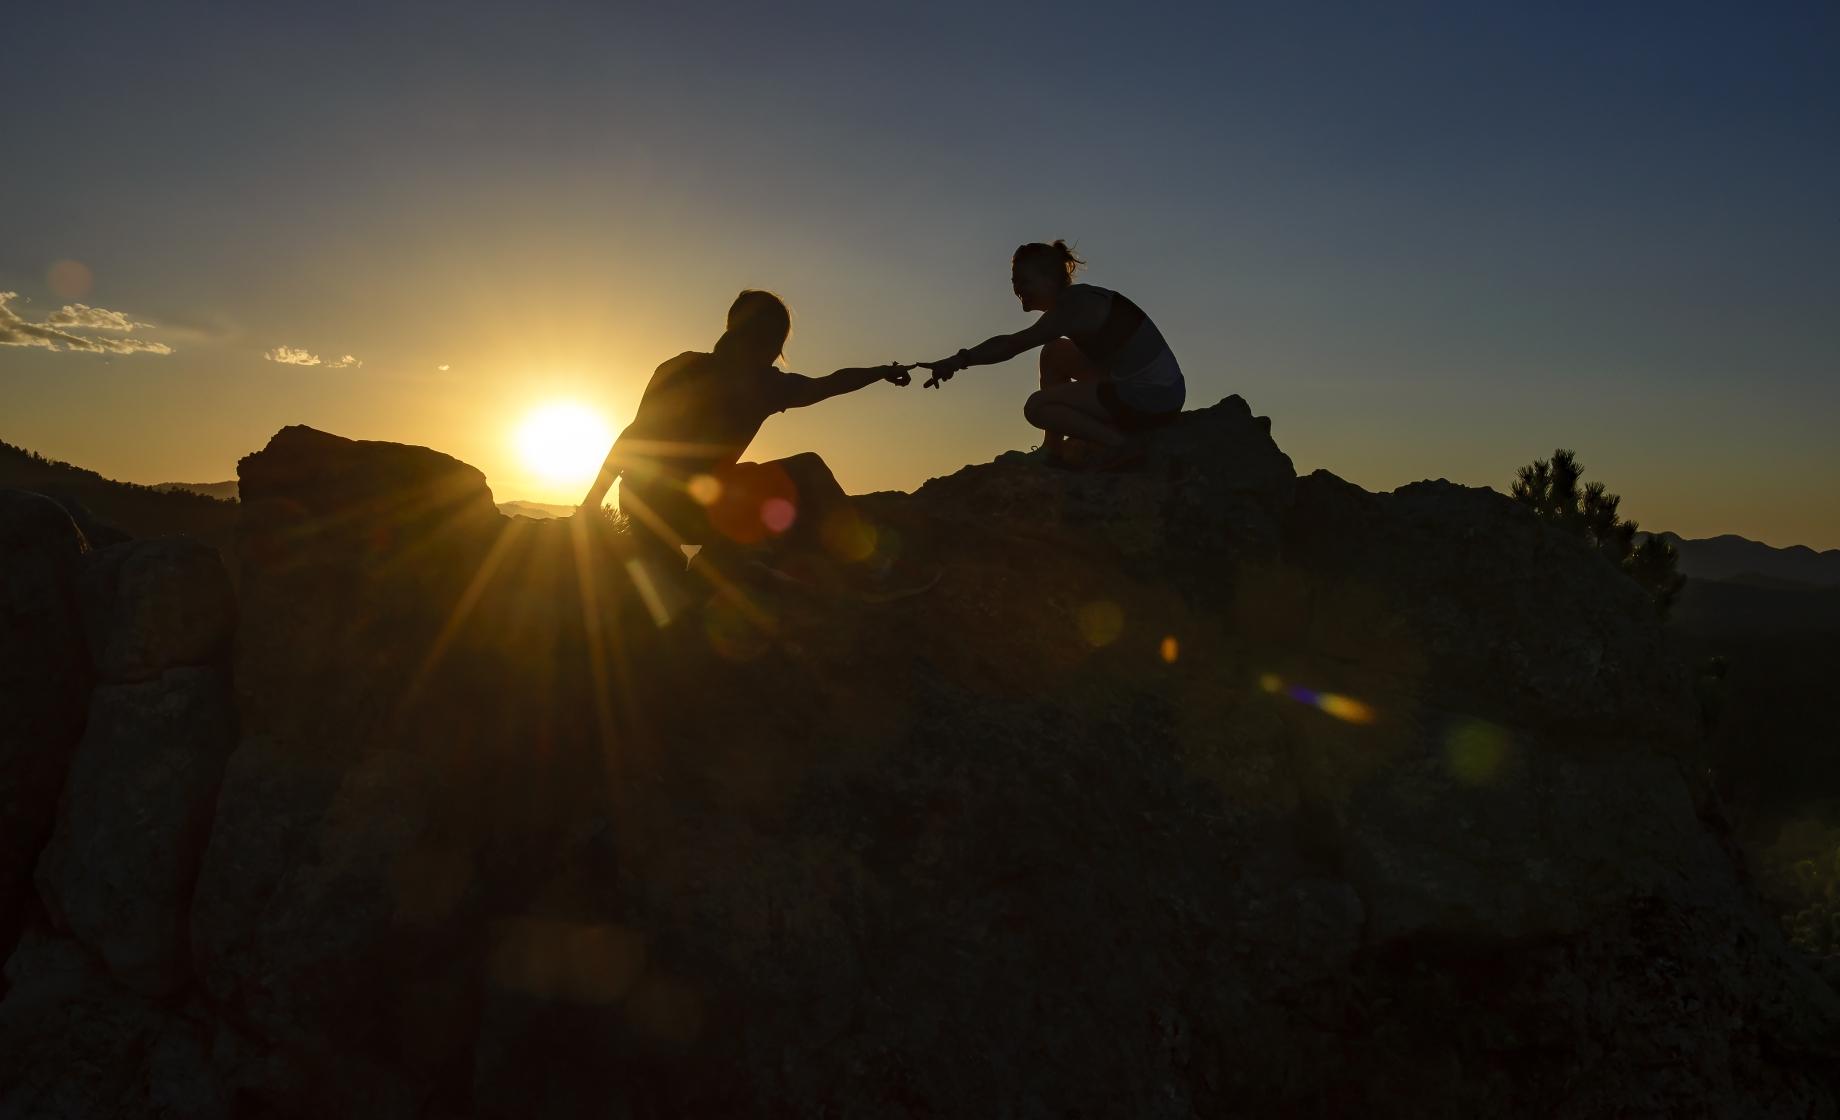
(1427,240)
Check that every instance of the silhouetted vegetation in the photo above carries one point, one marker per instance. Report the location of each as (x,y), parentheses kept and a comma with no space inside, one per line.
(136,510)
(1551,488)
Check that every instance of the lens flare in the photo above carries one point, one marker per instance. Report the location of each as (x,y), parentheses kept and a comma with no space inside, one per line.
(1169,650)
(1101,621)
(705,489)
(1345,708)
(649,593)
(70,279)
(848,536)
(1476,750)
(778,514)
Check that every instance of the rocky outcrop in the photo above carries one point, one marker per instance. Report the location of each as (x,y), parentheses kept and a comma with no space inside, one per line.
(44,683)
(137,808)
(155,604)
(1196,790)
(119,870)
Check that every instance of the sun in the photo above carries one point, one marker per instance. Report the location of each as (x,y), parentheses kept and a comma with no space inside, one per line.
(563,441)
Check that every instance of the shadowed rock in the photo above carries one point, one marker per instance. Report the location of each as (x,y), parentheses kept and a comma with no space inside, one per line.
(150,605)
(1191,791)
(136,812)
(44,682)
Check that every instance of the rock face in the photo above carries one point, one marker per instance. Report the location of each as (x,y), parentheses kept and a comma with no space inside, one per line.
(150,605)
(1198,790)
(137,809)
(44,682)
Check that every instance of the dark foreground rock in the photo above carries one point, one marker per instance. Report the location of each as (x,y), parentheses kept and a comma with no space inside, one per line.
(1200,790)
(44,683)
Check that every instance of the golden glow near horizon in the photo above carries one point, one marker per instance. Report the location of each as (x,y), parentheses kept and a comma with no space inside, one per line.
(563,441)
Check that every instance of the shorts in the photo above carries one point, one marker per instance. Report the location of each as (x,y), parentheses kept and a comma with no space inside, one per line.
(1135,408)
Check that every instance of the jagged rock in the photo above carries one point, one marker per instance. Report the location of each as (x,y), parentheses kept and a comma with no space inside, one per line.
(1211,494)
(1190,791)
(154,604)
(328,909)
(136,812)
(1491,612)
(44,681)
(73,1044)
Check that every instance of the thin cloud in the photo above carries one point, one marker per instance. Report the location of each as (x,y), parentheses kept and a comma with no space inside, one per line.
(84,317)
(51,334)
(292,356)
(296,356)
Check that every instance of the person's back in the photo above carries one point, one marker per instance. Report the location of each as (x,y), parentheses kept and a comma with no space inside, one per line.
(679,460)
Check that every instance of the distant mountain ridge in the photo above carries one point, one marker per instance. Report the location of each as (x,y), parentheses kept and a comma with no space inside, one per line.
(226,491)
(1730,556)
(101,506)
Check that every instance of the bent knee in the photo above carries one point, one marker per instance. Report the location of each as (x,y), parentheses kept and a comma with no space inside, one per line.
(1061,362)
(1031,408)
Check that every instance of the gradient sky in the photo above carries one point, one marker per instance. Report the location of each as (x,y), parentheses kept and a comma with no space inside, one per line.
(1427,240)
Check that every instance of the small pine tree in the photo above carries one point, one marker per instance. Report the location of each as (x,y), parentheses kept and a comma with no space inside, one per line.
(1550,487)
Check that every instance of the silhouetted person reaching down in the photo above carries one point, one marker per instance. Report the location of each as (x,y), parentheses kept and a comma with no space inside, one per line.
(677,462)
(1106,371)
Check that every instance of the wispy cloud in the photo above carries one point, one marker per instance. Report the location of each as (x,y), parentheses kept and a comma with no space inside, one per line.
(292,356)
(85,317)
(54,332)
(296,356)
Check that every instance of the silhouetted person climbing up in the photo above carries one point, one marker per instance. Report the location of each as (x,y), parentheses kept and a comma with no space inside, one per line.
(1106,371)
(677,461)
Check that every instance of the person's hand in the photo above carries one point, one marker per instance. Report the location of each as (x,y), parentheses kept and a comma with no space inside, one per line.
(896,373)
(942,371)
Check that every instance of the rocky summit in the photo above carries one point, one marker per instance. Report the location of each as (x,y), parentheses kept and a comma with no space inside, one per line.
(1197,790)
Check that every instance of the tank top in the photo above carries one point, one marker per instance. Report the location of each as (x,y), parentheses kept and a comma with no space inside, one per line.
(1126,345)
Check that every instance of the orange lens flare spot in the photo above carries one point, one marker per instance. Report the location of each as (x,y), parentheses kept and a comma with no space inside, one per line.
(1345,708)
(70,279)
(755,501)
(1169,650)
(778,514)
(1101,621)
(705,489)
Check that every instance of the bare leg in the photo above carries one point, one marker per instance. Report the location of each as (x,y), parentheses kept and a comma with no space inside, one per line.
(1062,364)
(1074,410)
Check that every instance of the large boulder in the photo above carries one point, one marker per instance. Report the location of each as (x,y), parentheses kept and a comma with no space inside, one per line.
(354,556)
(137,810)
(155,604)
(1186,791)
(75,1044)
(44,682)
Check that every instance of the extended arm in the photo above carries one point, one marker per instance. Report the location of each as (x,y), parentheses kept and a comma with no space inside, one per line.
(802,390)
(610,470)
(1068,313)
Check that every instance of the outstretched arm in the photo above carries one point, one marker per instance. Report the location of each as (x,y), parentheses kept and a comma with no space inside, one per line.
(1071,312)
(610,470)
(802,390)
